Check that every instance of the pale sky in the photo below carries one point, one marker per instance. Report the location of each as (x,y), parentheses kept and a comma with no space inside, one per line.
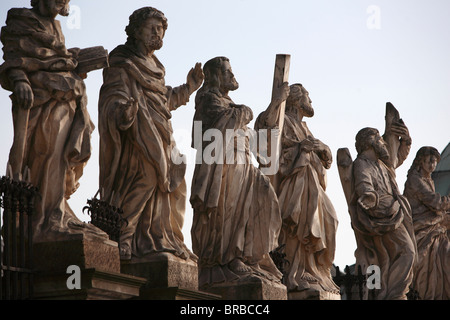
(352,56)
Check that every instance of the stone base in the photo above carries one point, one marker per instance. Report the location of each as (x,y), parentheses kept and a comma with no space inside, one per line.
(176,293)
(94,285)
(164,271)
(101,254)
(252,289)
(312,294)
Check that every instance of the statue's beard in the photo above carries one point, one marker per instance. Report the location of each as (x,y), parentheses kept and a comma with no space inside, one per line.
(232,85)
(381,151)
(154,44)
(307,110)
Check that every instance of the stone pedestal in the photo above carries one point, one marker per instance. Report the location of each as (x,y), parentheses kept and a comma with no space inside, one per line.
(97,262)
(168,278)
(101,254)
(94,285)
(175,293)
(250,289)
(164,271)
(312,294)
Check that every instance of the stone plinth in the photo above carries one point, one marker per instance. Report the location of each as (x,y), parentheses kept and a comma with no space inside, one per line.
(249,289)
(164,271)
(168,278)
(94,285)
(176,293)
(312,294)
(101,254)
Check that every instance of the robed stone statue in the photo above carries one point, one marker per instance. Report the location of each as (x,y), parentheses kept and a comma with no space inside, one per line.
(430,213)
(236,213)
(380,214)
(308,233)
(141,169)
(52,126)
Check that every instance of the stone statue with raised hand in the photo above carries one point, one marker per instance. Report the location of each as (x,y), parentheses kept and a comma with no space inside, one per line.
(140,167)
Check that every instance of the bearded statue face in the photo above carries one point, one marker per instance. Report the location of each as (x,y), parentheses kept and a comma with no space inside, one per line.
(228,81)
(299,99)
(52,8)
(151,34)
(380,148)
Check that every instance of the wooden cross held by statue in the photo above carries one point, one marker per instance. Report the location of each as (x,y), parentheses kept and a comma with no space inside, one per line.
(281,75)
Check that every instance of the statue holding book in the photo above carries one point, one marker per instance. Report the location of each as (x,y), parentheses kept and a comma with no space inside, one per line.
(52,126)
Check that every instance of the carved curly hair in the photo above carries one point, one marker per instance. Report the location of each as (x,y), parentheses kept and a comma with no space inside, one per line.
(138,17)
(363,141)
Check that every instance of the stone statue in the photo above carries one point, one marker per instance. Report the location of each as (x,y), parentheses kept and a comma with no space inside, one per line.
(52,127)
(140,167)
(309,219)
(430,211)
(380,215)
(236,215)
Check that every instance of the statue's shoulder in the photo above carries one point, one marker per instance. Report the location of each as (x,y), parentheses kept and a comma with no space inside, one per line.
(21,13)
(208,94)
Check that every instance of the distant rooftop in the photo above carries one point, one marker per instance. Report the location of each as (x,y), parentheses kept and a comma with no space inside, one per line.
(444,164)
(441,175)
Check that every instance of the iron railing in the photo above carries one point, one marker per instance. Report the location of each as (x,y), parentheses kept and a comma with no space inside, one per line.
(17,201)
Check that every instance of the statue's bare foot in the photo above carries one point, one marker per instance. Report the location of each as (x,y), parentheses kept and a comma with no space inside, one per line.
(239,267)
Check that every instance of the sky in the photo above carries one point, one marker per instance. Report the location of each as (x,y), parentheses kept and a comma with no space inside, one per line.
(352,56)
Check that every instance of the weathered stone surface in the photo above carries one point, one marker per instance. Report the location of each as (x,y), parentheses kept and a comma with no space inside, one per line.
(48,92)
(175,293)
(380,214)
(56,256)
(137,168)
(95,285)
(249,289)
(163,271)
(313,294)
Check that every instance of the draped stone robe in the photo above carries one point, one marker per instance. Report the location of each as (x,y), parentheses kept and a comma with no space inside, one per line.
(309,218)
(140,167)
(236,213)
(430,211)
(59,128)
(384,233)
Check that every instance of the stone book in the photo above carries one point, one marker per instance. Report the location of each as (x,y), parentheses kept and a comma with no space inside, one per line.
(90,59)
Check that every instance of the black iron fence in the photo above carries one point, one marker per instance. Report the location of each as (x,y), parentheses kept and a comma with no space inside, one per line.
(106,217)
(17,208)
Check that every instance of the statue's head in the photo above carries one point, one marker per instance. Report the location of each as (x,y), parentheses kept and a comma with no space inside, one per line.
(426,160)
(52,7)
(299,100)
(218,74)
(369,138)
(147,26)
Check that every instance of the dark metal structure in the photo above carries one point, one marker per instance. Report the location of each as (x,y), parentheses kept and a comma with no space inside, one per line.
(106,217)
(17,208)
